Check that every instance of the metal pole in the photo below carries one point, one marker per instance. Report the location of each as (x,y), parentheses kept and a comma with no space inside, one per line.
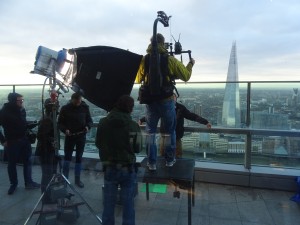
(247,160)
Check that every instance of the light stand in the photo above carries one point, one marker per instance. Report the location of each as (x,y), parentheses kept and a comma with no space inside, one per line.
(56,192)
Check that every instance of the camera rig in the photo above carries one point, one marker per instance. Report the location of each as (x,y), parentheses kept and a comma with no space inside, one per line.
(177,48)
(155,76)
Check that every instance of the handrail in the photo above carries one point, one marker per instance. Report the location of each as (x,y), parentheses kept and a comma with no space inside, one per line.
(191,82)
(245,131)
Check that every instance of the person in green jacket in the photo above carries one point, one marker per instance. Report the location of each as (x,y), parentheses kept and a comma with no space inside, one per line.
(118,139)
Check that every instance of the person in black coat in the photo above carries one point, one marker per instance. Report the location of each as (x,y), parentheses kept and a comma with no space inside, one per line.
(181,113)
(75,121)
(16,142)
(46,143)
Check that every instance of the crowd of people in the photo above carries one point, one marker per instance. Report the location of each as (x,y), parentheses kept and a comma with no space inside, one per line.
(118,137)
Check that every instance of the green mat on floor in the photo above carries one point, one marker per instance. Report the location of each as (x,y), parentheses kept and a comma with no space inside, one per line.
(155,188)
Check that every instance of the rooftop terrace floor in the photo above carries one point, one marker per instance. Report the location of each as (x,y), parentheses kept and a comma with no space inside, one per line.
(214,204)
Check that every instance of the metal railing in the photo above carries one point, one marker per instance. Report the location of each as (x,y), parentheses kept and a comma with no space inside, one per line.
(248,132)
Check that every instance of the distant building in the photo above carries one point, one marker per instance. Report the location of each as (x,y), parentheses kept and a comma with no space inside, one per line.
(204,142)
(295,97)
(275,145)
(236,147)
(191,142)
(264,120)
(231,113)
(220,145)
(197,108)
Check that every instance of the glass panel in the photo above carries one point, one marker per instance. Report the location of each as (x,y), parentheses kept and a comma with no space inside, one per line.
(213,147)
(276,151)
(275,106)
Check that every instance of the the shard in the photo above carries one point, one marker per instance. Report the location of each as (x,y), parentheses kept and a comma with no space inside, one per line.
(231,113)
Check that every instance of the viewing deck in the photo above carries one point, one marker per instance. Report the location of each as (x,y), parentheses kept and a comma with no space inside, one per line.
(214,204)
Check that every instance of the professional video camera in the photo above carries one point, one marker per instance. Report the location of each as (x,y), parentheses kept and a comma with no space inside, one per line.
(164,19)
(177,48)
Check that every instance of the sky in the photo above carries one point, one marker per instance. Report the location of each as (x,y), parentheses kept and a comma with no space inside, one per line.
(266,32)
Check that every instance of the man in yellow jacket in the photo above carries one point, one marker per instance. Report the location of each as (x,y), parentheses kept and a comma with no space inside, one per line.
(161,106)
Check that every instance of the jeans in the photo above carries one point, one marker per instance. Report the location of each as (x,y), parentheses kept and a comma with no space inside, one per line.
(19,151)
(164,110)
(113,177)
(178,146)
(71,142)
(49,168)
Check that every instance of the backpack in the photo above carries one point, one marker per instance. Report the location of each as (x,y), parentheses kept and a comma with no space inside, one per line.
(167,84)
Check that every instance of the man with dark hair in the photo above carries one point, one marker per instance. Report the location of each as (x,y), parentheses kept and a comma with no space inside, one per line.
(18,147)
(161,106)
(118,139)
(75,121)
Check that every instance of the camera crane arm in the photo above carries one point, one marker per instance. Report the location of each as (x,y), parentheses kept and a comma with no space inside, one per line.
(155,77)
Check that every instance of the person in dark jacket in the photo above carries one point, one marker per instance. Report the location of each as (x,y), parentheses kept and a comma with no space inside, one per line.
(46,144)
(75,121)
(16,142)
(118,139)
(181,113)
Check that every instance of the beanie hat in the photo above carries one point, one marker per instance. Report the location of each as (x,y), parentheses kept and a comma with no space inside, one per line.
(12,97)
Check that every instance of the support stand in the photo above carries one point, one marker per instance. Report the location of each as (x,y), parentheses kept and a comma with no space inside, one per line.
(59,204)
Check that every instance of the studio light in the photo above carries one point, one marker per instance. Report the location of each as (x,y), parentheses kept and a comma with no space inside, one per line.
(101,73)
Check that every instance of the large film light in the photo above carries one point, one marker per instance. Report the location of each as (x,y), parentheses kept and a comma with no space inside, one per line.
(45,61)
(51,63)
(101,73)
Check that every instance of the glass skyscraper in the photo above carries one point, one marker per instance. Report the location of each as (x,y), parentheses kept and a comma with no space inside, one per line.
(231,113)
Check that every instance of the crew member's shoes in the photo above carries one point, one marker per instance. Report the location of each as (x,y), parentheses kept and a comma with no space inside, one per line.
(79,183)
(170,164)
(12,189)
(151,167)
(32,185)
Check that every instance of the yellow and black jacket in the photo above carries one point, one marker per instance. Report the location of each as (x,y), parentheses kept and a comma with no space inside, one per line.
(175,67)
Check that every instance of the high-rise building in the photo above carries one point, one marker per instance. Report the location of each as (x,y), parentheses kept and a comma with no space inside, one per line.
(197,108)
(295,97)
(231,113)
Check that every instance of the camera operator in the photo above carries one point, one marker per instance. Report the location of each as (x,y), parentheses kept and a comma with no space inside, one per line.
(161,106)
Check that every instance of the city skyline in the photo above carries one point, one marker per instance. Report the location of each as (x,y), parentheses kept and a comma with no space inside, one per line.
(218,147)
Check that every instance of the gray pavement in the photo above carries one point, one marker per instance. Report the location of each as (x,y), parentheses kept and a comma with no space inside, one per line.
(214,204)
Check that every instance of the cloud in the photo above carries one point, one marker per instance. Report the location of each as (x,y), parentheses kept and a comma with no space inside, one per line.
(267,32)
